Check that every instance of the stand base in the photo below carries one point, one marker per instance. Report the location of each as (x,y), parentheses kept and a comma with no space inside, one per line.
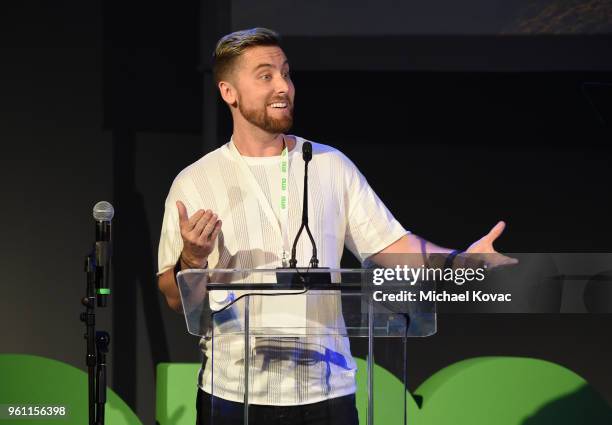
(304,278)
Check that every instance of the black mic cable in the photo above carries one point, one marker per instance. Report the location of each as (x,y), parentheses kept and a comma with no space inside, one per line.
(314,261)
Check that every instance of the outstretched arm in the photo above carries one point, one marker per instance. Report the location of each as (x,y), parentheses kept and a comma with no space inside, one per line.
(413,244)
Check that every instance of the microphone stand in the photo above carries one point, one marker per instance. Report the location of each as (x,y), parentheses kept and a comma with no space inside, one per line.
(307,278)
(102,341)
(314,261)
(97,347)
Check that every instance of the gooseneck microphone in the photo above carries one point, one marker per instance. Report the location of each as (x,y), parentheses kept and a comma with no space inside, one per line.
(103,213)
(314,261)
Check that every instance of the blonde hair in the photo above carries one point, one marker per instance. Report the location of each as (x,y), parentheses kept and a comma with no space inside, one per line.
(231,46)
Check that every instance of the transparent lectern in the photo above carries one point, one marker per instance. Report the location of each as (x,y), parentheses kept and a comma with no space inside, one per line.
(279,337)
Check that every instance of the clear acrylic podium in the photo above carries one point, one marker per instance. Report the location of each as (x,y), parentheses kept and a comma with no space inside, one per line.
(281,336)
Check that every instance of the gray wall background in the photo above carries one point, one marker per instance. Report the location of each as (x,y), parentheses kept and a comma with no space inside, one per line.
(61,153)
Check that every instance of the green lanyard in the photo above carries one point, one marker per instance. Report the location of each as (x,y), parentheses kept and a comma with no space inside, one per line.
(284,202)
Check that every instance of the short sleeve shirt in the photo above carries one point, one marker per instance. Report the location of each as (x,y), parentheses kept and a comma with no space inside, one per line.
(343,211)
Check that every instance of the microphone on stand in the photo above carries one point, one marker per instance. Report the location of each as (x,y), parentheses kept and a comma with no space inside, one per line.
(97,267)
(103,213)
(314,261)
(302,277)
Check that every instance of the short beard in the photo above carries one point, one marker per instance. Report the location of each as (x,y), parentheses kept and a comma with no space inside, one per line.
(262,120)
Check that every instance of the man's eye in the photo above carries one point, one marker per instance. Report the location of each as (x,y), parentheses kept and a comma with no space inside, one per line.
(287,74)
(265,77)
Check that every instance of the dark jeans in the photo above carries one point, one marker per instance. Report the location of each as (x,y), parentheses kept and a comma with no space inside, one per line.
(335,411)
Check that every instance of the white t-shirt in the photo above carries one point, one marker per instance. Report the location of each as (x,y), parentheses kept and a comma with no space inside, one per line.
(267,173)
(244,192)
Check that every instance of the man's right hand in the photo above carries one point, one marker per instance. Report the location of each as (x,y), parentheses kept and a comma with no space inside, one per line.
(199,233)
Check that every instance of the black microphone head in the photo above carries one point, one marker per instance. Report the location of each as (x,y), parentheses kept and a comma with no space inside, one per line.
(103,211)
(307,151)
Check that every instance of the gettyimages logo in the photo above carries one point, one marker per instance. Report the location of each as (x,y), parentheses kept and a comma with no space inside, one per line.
(413,275)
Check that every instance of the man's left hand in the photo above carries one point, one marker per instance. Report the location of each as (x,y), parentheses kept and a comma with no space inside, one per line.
(485,246)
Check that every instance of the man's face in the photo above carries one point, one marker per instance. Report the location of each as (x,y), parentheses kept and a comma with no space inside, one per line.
(264,90)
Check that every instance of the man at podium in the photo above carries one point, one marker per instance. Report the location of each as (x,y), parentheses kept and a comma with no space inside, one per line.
(240,206)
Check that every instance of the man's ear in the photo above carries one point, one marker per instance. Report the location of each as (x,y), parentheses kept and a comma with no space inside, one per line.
(228,92)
